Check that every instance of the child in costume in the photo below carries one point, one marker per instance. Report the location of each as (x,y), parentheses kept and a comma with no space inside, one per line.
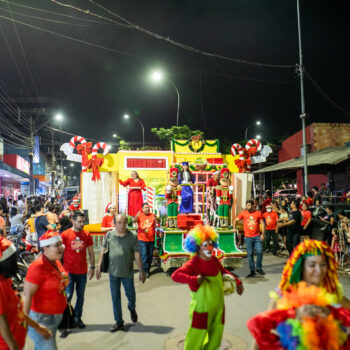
(173,195)
(224,197)
(309,310)
(206,278)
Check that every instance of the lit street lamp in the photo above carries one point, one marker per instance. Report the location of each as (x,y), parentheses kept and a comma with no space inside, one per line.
(127,116)
(157,76)
(258,137)
(258,122)
(115,136)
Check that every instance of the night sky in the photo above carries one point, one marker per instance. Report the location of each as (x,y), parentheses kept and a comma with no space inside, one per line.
(95,87)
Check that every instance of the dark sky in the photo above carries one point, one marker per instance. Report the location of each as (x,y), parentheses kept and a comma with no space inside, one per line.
(95,87)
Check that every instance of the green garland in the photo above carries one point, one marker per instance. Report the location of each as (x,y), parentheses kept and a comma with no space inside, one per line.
(204,143)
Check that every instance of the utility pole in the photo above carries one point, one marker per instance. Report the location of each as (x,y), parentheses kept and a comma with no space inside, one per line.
(52,164)
(303,115)
(31,153)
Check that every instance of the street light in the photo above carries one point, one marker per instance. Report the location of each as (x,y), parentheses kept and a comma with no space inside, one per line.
(157,76)
(258,137)
(115,136)
(127,116)
(258,122)
(71,164)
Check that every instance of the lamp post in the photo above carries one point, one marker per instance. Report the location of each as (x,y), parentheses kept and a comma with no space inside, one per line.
(303,115)
(258,123)
(127,116)
(157,76)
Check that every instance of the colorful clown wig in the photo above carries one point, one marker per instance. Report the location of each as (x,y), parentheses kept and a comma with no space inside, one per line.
(293,270)
(198,235)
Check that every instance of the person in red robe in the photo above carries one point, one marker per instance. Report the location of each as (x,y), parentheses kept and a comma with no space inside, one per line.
(135,198)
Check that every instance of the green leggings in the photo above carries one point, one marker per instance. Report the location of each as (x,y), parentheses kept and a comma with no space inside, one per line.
(223,211)
(172,210)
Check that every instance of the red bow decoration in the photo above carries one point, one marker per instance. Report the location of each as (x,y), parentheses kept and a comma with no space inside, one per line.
(94,164)
(244,165)
(84,149)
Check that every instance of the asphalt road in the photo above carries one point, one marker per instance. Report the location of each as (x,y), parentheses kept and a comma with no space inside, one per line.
(162,306)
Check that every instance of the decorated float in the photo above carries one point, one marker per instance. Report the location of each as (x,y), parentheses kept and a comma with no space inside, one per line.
(179,186)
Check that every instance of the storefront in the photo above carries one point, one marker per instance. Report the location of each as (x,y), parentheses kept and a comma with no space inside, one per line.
(11,179)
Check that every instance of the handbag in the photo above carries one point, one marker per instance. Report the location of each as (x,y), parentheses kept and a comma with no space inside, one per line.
(68,318)
(105,257)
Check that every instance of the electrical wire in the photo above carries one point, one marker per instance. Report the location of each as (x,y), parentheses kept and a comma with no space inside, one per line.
(323,93)
(46,19)
(24,55)
(167,39)
(142,57)
(56,13)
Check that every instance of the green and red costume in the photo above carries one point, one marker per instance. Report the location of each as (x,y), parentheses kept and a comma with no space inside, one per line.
(207,308)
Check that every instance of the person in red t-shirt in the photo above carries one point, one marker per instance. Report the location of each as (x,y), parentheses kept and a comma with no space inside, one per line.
(271,218)
(306,220)
(13,320)
(252,220)
(44,289)
(108,220)
(77,242)
(146,222)
(75,206)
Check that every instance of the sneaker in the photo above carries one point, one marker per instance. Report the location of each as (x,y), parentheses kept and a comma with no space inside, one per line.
(133,315)
(117,327)
(148,274)
(260,272)
(252,274)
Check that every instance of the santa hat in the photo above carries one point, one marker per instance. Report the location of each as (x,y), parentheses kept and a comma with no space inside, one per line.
(109,205)
(223,171)
(75,199)
(269,206)
(174,172)
(48,238)
(216,172)
(7,248)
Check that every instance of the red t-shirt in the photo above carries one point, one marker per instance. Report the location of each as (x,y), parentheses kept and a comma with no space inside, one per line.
(72,207)
(306,214)
(147,227)
(107,221)
(11,306)
(76,243)
(309,201)
(271,220)
(251,222)
(50,298)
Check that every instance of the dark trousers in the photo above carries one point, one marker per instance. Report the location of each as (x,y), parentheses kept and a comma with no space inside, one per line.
(254,244)
(146,252)
(128,284)
(80,282)
(268,235)
(293,239)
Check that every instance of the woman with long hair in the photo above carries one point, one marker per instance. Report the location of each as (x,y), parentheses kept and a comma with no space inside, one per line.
(135,186)
(186,179)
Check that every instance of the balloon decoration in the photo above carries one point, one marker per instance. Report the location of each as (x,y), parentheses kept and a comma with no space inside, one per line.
(243,163)
(85,148)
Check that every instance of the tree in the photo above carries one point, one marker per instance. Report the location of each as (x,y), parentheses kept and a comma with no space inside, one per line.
(178,132)
(124,146)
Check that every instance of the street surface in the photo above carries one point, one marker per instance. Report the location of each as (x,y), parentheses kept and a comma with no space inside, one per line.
(162,306)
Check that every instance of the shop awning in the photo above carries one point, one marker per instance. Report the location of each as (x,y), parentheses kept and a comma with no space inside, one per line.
(9,172)
(328,156)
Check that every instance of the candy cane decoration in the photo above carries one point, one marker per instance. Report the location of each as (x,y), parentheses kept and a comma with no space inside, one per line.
(75,139)
(254,143)
(235,148)
(100,145)
(150,192)
(72,143)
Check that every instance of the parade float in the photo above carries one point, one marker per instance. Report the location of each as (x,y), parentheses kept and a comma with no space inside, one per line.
(161,170)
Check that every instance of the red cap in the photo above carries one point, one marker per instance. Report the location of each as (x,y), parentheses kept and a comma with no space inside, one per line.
(7,248)
(49,237)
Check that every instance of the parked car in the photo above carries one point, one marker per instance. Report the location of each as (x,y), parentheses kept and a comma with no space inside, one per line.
(319,210)
(290,193)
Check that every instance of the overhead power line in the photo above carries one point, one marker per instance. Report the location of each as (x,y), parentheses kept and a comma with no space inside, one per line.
(323,93)
(167,39)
